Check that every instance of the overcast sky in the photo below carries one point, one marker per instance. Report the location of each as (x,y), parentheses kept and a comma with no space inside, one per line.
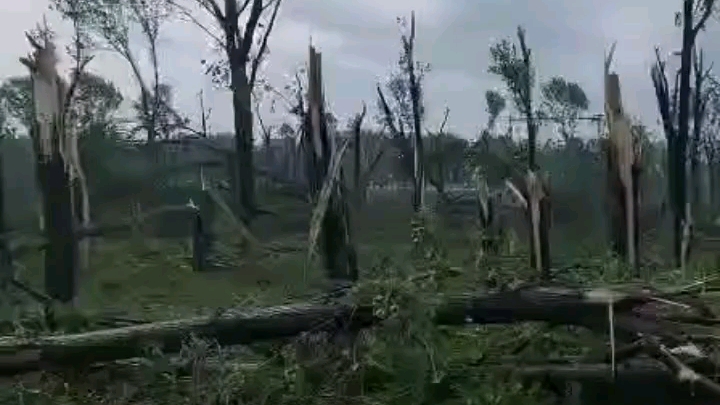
(360,42)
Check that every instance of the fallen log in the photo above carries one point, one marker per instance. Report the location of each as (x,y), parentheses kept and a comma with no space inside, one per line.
(555,305)
(641,381)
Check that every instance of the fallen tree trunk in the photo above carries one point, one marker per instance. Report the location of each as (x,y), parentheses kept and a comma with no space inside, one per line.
(555,305)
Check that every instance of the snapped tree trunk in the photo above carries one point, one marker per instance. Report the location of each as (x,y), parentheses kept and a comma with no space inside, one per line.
(51,143)
(680,190)
(623,161)
(61,252)
(537,194)
(331,222)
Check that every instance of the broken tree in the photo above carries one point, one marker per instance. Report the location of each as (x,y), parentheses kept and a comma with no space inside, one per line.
(660,328)
(330,223)
(623,169)
(58,165)
(515,68)
(692,19)
(406,89)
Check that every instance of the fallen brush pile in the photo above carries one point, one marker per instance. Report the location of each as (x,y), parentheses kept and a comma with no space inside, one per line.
(668,335)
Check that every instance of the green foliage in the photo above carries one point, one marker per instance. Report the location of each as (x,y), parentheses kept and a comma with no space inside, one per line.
(495,105)
(562,102)
(16,102)
(515,69)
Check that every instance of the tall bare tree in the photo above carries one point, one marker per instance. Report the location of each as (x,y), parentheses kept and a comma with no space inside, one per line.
(242,36)
(692,19)
(406,90)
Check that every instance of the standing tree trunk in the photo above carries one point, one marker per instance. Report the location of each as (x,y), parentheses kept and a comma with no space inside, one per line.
(623,172)
(50,98)
(243,67)
(700,100)
(331,222)
(242,125)
(418,200)
(690,30)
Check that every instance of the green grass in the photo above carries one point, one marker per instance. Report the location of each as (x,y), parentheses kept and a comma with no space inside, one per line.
(153,279)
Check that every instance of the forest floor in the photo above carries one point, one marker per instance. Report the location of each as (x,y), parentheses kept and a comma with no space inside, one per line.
(153,280)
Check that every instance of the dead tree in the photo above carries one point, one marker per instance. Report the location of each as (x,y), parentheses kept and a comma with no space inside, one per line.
(408,86)
(623,167)
(414,84)
(330,224)
(667,101)
(691,24)
(57,166)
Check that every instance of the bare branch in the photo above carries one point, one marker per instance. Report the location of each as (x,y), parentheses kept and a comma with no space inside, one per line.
(186,13)
(707,11)
(444,121)
(250,26)
(244,6)
(212,7)
(263,44)
(387,113)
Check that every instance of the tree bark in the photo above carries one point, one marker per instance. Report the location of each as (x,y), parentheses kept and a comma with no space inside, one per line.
(556,305)
(244,178)
(61,252)
(680,190)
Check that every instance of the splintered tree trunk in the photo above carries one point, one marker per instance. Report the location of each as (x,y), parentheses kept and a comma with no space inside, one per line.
(50,142)
(61,256)
(614,201)
(623,176)
(61,253)
(340,257)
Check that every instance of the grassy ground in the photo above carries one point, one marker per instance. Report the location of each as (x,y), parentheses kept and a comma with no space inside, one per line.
(153,279)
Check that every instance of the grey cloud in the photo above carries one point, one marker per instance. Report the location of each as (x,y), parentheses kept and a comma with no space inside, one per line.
(360,44)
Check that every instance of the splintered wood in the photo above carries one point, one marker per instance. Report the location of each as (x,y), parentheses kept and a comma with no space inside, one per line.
(58,169)
(330,225)
(623,158)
